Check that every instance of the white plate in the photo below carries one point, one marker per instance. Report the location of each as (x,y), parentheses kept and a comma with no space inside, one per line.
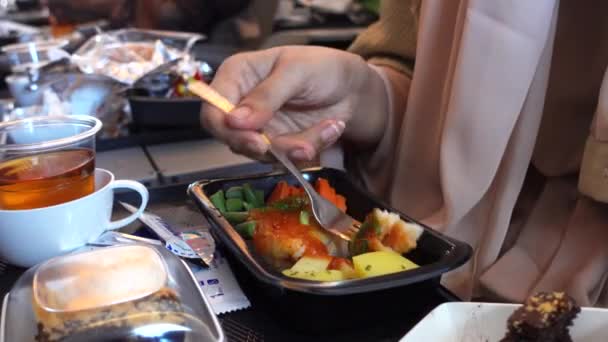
(486,322)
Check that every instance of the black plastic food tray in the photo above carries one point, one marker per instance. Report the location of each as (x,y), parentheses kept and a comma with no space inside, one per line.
(328,307)
(164,113)
(436,253)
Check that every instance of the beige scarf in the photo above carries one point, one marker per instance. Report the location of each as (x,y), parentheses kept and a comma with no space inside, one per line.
(467,139)
(459,156)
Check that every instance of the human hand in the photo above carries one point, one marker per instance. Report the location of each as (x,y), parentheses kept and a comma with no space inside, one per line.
(304,98)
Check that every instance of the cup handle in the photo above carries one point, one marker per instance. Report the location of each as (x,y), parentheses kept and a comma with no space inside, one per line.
(141,190)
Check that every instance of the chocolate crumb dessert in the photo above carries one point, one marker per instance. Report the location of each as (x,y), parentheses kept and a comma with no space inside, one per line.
(544,317)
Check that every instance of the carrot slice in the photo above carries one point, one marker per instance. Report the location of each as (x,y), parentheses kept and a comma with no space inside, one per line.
(324,189)
(281,191)
(276,193)
(294,191)
(341,202)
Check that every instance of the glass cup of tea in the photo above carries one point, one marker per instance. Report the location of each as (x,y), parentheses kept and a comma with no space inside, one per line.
(46,161)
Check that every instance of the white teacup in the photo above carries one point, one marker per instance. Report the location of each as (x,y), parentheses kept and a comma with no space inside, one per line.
(30,236)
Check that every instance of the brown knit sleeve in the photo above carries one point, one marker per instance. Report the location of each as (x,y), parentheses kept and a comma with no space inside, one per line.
(391,41)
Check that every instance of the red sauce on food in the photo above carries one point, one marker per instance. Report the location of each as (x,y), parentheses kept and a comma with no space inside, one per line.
(279,234)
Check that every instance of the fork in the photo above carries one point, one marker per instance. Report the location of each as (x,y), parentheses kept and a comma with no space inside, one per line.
(326,213)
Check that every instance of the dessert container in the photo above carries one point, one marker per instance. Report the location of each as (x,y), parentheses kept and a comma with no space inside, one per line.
(130,292)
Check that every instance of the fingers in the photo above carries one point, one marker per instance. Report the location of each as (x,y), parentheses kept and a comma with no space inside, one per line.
(260,104)
(303,146)
(242,141)
(260,84)
(236,77)
(240,73)
(307,144)
(263,157)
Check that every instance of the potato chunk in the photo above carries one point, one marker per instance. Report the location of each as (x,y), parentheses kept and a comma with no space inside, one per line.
(380,263)
(314,268)
(324,275)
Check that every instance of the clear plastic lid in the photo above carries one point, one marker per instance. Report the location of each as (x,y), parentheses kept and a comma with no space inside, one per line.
(97,279)
(46,133)
(128,292)
(34,55)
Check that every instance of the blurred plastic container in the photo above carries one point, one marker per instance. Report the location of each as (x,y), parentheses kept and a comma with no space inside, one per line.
(24,57)
(69,94)
(19,87)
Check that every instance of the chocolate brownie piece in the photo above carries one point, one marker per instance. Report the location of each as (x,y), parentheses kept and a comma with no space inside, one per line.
(544,317)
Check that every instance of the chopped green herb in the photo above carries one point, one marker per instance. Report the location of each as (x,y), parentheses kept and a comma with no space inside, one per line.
(378,229)
(290,203)
(280,205)
(368,267)
(403,267)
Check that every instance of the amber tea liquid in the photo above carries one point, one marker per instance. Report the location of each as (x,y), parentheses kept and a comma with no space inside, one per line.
(46,179)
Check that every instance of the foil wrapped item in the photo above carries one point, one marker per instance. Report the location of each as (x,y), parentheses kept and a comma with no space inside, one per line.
(129,55)
(73,93)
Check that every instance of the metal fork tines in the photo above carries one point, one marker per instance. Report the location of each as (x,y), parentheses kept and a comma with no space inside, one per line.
(326,213)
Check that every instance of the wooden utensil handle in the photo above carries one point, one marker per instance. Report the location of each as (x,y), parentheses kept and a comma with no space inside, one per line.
(211,96)
(214,98)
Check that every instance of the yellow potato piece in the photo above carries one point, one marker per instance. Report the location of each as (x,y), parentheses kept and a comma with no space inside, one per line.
(380,263)
(310,263)
(324,275)
(313,268)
